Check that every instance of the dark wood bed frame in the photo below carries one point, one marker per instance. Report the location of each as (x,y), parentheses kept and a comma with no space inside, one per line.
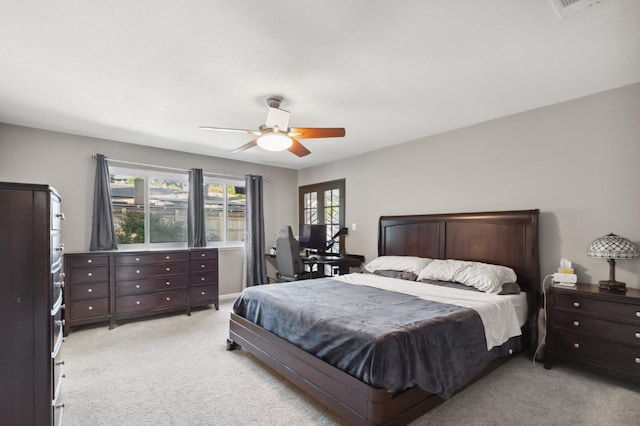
(505,238)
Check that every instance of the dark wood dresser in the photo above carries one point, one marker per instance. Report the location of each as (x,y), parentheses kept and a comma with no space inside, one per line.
(31,305)
(595,328)
(118,285)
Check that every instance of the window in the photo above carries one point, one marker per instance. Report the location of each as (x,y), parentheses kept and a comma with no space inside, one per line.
(324,203)
(150,208)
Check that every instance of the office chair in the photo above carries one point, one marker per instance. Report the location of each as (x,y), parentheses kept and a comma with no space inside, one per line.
(289,265)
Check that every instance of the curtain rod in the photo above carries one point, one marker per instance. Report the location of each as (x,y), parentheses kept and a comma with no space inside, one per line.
(133,163)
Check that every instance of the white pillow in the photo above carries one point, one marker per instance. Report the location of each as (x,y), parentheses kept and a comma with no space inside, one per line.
(442,270)
(398,263)
(483,276)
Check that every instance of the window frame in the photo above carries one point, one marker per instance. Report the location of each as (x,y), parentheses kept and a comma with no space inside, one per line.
(150,173)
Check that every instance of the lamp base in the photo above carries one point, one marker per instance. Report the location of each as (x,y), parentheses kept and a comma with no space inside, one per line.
(611,285)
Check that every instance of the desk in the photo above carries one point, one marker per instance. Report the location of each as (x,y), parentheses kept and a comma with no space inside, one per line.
(341,262)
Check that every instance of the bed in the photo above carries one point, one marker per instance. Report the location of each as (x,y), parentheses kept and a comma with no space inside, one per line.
(501,238)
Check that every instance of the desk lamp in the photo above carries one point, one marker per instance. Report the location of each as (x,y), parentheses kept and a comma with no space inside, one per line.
(612,247)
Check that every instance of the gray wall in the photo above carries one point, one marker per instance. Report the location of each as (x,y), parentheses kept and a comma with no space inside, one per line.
(578,162)
(64,162)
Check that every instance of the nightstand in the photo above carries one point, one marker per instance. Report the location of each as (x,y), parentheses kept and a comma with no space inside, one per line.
(594,328)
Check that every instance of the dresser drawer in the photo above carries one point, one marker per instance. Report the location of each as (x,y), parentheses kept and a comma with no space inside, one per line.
(58,363)
(612,355)
(87,275)
(204,254)
(56,214)
(83,309)
(86,260)
(150,284)
(56,250)
(157,257)
(594,327)
(204,293)
(132,272)
(204,278)
(145,302)
(586,305)
(89,290)
(204,265)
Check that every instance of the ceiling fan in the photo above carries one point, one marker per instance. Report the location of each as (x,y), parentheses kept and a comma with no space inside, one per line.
(276,135)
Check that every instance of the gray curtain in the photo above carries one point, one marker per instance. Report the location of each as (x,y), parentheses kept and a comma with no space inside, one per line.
(254,233)
(196,234)
(103,231)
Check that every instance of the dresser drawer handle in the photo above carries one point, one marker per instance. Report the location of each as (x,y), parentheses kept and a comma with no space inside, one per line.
(137,271)
(168,298)
(60,322)
(90,290)
(202,266)
(59,284)
(168,257)
(90,274)
(59,406)
(90,308)
(60,247)
(168,283)
(168,269)
(137,302)
(576,345)
(576,304)
(60,216)
(576,323)
(637,360)
(202,254)
(137,285)
(137,259)
(201,278)
(638,314)
(203,293)
(60,363)
(637,335)
(89,261)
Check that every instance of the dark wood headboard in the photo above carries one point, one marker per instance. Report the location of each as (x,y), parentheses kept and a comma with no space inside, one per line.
(508,238)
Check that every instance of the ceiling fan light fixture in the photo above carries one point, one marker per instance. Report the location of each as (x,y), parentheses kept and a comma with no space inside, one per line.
(274,141)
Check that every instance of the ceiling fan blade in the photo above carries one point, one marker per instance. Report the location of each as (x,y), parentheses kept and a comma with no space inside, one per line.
(246,146)
(298,149)
(224,129)
(327,132)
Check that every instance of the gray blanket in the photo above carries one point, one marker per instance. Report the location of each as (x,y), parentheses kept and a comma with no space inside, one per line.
(389,340)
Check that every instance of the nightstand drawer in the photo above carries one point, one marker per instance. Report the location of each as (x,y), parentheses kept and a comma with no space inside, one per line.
(624,333)
(586,305)
(618,357)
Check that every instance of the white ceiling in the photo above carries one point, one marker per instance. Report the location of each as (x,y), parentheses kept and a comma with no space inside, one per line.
(150,72)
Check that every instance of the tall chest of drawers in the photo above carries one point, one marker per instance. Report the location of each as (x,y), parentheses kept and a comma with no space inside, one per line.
(595,328)
(31,323)
(118,285)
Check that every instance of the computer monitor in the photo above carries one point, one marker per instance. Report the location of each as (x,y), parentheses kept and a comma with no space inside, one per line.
(313,237)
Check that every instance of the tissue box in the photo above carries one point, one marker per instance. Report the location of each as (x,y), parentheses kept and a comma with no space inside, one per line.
(565,270)
(565,278)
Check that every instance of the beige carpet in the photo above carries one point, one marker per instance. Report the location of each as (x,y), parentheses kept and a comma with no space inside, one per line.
(175,370)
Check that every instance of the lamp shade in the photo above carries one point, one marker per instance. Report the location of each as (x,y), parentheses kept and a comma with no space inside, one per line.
(612,246)
(274,141)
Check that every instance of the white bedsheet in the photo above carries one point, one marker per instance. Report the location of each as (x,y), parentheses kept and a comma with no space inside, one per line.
(498,313)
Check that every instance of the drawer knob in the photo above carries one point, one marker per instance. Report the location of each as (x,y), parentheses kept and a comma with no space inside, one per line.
(168,269)
(90,308)
(137,259)
(637,360)
(60,363)
(59,406)
(637,335)
(638,314)
(202,254)
(576,304)
(576,345)
(90,290)
(168,298)
(60,247)
(59,284)
(90,274)
(201,278)
(203,293)
(202,266)
(89,261)
(60,216)
(168,283)
(137,302)
(576,323)
(168,257)
(137,285)
(137,271)
(60,322)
